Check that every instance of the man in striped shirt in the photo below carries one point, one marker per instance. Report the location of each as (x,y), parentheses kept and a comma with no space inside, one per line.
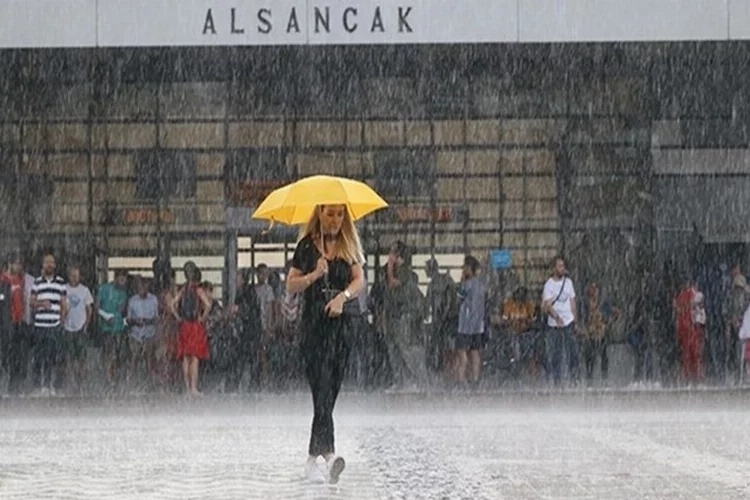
(49,303)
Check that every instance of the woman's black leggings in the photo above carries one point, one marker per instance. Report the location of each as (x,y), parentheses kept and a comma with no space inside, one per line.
(325,354)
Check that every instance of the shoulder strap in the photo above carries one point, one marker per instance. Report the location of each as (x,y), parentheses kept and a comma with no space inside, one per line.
(562,287)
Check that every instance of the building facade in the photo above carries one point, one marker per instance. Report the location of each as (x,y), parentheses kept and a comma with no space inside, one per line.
(623,156)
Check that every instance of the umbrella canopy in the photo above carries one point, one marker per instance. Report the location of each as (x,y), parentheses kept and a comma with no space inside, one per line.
(295,203)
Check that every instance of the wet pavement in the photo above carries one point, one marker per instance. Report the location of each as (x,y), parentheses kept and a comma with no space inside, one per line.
(578,445)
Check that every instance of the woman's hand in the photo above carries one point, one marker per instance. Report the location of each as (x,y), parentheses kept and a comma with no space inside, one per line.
(321,269)
(336,306)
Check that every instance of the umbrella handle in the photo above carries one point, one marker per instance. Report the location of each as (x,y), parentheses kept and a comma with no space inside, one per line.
(323,243)
(270,226)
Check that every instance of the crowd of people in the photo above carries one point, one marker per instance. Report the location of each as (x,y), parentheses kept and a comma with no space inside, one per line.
(554,337)
(149,338)
(153,335)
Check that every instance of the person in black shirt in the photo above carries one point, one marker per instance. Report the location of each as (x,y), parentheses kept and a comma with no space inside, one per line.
(327,268)
(249,330)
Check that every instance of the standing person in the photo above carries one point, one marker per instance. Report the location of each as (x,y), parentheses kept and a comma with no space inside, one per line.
(48,299)
(166,351)
(112,303)
(6,323)
(222,343)
(360,360)
(28,287)
(471,338)
(290,314)
(690,332)
(264,288)
(403,309)
(76,327)
(559,303)
(442,301)
(734,308)
(266,297)
(17,348)
(246,314)
(517,315)
(639,336)
(597,317)
(191,307)
(143,316)
(327,267)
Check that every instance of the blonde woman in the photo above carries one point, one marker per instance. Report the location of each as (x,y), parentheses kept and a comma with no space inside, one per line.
(327,269)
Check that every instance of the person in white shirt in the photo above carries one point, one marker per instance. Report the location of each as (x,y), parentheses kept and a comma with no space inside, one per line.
(143,316)
(28,314)
(559,303)
(80,311)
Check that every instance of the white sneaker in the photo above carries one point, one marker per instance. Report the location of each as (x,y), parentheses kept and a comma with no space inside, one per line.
(44,392)
(313,473)
(335,466)
(52,392)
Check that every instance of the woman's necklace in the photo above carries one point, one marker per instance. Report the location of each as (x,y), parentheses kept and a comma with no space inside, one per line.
(327,247)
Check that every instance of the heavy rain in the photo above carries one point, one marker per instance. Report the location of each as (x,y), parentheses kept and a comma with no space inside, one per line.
(398,250)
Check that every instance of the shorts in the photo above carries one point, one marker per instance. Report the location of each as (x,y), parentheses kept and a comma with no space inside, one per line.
(142,348)
(473,342)
(75,344)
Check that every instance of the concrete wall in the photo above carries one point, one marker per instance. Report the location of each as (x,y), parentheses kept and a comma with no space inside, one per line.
(108,23)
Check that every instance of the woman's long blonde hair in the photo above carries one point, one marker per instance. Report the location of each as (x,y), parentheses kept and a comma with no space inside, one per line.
(348,245)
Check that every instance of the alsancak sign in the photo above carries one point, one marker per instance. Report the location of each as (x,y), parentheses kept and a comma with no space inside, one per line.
(141,23)
(349,20)
(297,22)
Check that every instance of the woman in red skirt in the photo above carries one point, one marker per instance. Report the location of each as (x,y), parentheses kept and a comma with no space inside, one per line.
(690,333)
(191,307)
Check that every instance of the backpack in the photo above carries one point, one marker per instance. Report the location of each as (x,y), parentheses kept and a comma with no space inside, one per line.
(189,304)
(224,346)
(451,304)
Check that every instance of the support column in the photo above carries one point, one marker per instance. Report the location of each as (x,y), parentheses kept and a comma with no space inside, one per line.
(230,267)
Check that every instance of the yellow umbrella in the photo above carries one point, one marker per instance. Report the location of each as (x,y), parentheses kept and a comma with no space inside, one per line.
(294,204)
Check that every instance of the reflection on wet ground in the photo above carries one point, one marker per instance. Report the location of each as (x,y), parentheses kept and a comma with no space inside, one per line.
(579,445)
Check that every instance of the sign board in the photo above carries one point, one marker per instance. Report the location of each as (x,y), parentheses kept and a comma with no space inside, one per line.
(146,215)
(501,259)
(424,212)
(185,23)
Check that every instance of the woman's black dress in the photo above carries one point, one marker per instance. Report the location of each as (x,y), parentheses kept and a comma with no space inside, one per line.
(325,342)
